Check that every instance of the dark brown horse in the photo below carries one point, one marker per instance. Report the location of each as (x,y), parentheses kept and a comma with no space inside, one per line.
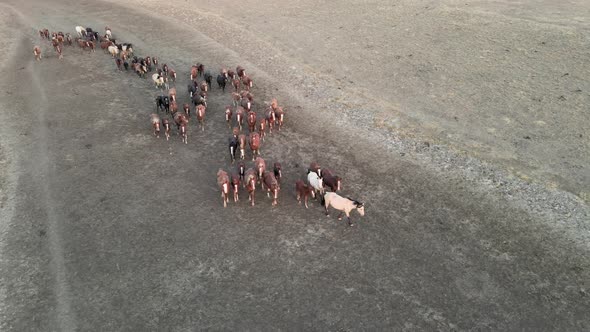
(187,110)
(272,186)
(252,121)
(278,171)
(228,115)
(241,170)
(250,184)
(200,112)
(240,71)
(223,182)
(303,191)
(331,181)
(254,142)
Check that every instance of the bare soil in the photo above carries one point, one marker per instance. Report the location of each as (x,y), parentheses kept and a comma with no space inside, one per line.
(103,226)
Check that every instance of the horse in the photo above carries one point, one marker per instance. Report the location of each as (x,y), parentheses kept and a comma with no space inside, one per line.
(204,86)
(208,77)
(81,31)
(192,89)
(242,140)
(148,63)
(172,93)
(240,71)
(235,183)
(221,80)
(58,51)
(82,43)
(331,181)
(172,74)
(236,98)
(233,147)
(187,109)
(165,69)
(231,74)
(250,184)
(155,120)
(194,72)
(316,182)
(240,112)
(246,103)
(269,117)
(200,112)
(260,165)
(241,170)
(277,170)
(199,99)
(158,80)
(163,103)
(37,52)
(280,116)
(252,121)
(236,84)
(247,82)
(272,186)
(173,107)
(228,115)
(69,40)
(166,125)
(254,141)
(200,69)
(126,65)
(91,46)
(139,70)
(342,204)
(224,183)
(303,191)
(181,123)
(223,72)
(262,129)
(105,46)
(315,167)
(108,32)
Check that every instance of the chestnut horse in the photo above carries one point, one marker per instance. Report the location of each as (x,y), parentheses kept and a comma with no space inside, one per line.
(166,125)
(187,110)
(254,142)
(172,74)
(240,71)
(194,72)
(246,102)
(280,117)
(269,117)
(252,121)
(303,191)
(235,183)
(172,93)
(247,82)
(224,183)
(242,140)
(331,181)
(240,113)
(260,165)
(37,52)
(272,186)
(250,184)
(233,147)
(173,107)
(181,124)
(200,111)
(342,204)
(262,129)
(236,84)
(155,120)
(228,115)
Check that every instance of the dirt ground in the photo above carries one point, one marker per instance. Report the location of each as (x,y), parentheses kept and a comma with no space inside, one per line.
(103,226)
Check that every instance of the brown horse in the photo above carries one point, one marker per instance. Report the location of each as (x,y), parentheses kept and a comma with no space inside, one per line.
(260,165)
(235,183)
(166,125)
(231,74)
(155,120)
(269,117)
(242,141)
(247,82)
(343,204)
(303,191)
(37,51)
(254,141)
(172,94)
(200,68)
(236,98)
(250,184)
(331,181)
(203,86)
(240,71)
(223,182)
(181,124)
(187,110)
(172,74)
(105,45)
(280,117)
(228,115)
(69,40)
(91,46)
(57,47)
(173,107)
(252,121)
(236,84)
(262,129)
(272,186)
(240,113)
(278,171)
(200,111)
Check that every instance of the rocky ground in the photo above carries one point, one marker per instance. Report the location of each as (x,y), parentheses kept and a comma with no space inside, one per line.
(424,108)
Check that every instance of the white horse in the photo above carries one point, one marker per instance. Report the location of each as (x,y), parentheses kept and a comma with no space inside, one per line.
(113,50)
(81,31)
(158,80)
(109,34)
(316,182)
(342,204)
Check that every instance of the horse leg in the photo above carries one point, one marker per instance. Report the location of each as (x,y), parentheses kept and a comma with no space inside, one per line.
(340,216)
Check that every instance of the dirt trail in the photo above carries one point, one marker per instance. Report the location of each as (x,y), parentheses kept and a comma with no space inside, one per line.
(147,246)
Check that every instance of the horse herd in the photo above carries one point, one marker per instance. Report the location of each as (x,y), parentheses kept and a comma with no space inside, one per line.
(240,111)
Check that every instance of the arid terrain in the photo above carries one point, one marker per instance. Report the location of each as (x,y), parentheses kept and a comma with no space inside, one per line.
(462,126)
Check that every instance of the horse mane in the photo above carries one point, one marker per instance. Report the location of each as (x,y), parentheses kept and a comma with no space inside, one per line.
(354,201)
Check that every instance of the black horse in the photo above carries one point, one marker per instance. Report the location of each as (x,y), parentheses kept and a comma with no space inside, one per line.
(198,99)
(208,78)
(163,103)
(192,90)
(221,80)
(233,147)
